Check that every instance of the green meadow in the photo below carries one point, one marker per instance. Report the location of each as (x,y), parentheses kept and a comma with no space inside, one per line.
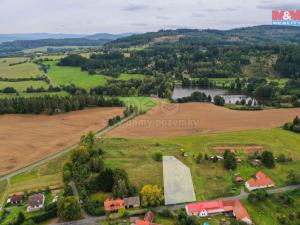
(142,103)
(59,75)
(22,85)
(23,70)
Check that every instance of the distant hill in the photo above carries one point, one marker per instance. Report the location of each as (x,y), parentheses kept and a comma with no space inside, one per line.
(265,34)
(37,36)
(16,47)
(108,36)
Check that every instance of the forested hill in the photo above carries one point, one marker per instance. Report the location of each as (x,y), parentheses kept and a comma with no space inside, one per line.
(257,35)
(18,46)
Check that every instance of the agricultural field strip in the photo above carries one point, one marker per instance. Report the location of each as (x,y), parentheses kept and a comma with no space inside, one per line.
(61,153)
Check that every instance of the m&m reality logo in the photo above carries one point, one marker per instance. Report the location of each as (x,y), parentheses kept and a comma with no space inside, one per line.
(286,17)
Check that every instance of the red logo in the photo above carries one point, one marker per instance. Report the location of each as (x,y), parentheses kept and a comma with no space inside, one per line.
(286,15)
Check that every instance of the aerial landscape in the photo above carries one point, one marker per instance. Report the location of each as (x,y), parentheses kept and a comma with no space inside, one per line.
(149,113)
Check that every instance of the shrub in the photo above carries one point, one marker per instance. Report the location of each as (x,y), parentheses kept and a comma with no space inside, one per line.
(69,208)
(268,159)
(219,100)
(158,156)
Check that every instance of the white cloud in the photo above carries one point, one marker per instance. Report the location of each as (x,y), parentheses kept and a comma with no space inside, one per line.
(91,16)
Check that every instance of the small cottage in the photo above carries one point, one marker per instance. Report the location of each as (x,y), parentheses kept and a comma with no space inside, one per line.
(36,202)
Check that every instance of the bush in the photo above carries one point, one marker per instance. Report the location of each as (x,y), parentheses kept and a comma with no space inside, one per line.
(268,159)
(69,208)
(46,215)
(158,156)
(258,196)
(68,191)
(219,100)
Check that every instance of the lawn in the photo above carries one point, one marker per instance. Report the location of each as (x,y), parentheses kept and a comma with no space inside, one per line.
(23,70)
(142,103)
(22,85)
(3,186)
(59,75)
(268,211)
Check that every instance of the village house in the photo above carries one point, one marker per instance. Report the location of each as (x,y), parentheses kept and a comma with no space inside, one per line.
(36,202)
(148,220)
(255,162)
(239,179)
(261,181)
(113,205)
(204,209)
(15,199)
(132,202)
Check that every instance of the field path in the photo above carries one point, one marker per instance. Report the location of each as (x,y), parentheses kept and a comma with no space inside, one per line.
(167,120)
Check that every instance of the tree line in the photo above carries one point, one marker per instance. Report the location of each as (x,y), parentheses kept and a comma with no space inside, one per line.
(54,104)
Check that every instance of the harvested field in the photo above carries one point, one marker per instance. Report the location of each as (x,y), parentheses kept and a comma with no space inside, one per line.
(28,138)
(169,120)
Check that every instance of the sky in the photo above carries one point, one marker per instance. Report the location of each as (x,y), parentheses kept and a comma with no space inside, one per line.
(119,16)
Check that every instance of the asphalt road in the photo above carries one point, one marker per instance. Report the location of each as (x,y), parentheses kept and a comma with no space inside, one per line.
(61,153)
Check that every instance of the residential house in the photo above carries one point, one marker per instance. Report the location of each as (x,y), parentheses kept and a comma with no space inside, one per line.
(239,179)
(255,162)
(148,220)
(15,199)
(113,205)
(132,202)
(36,202)
(204,209)
(261,181)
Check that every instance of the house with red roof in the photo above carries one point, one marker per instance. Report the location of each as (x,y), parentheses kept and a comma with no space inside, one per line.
(260,181)
(148,219)
(204,209)
(113,205)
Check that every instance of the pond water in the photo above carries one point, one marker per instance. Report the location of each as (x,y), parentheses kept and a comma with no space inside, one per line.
(229,97)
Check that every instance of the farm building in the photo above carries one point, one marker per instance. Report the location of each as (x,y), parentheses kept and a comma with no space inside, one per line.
(204,209)
(112,205)
(36,202)
(15,199)
(132,202)
(261,181)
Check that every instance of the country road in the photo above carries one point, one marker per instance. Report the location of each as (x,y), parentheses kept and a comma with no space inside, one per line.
(90,220)
(61,153)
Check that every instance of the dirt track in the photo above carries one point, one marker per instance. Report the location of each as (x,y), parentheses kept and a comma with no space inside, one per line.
(28,138)
(184,119)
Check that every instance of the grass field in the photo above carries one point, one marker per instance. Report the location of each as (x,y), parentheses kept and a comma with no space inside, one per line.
(67,75)
(268,211)
(211,180)
(73,75)
(26,69)
(142,103)
(22,85)
(125,76)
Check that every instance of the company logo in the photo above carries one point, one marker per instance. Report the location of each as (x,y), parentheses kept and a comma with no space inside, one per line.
(286,17)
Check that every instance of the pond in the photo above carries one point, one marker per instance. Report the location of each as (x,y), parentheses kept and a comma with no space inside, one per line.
(229,97)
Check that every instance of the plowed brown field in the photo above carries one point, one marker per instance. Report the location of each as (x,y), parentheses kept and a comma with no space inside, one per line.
(28,138)
(190,118)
